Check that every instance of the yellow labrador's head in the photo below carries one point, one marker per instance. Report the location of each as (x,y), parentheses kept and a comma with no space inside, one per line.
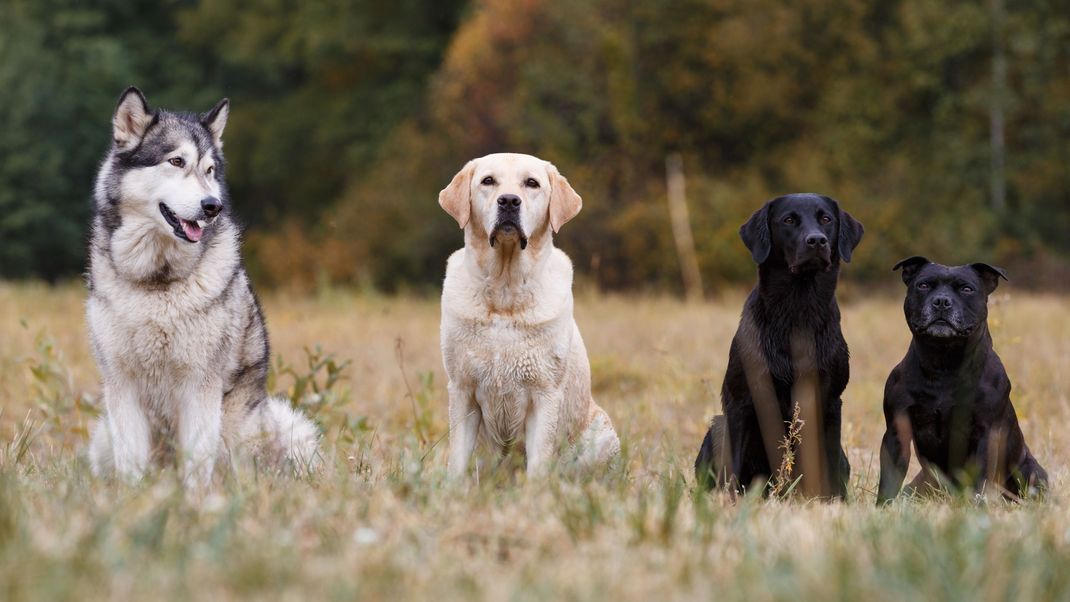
(510,198)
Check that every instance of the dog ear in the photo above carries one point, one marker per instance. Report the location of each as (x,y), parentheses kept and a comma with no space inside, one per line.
(851,231)
(910,267)
(565,203)
(216,119)
(456,198)
(755,234)
(132,119)
(990,275)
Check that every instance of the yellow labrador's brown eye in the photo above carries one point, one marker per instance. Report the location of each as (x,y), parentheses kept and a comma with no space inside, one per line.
(531,183)
(177,162)
(826,219)
(488,181)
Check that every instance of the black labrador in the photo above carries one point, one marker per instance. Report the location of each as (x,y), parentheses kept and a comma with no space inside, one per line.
(950,395)
(788,347)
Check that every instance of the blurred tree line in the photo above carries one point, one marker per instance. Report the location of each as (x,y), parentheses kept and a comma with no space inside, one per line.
(349,116)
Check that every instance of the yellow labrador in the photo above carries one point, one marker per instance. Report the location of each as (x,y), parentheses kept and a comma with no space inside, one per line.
(518,370)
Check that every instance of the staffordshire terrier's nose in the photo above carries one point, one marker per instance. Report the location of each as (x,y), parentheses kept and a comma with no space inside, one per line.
(817,240)
(941,302)
(508,200)
(211,206)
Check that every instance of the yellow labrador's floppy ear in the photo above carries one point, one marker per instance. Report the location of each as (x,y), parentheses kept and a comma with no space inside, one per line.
(132,119)
(456,198)
(565,203)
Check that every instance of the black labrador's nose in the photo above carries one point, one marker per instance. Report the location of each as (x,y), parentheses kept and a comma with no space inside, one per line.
(941,302)
(817,240)
(211,206)
(508,200)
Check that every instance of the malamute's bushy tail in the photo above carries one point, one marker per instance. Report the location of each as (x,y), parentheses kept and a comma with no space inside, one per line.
(281,438)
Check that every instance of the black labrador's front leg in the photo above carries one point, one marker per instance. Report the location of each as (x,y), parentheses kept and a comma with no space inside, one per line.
(838,467)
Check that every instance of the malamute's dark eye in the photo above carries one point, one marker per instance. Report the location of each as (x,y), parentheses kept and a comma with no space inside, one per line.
(531,183)
(177,162)
(210,170)
(488,181)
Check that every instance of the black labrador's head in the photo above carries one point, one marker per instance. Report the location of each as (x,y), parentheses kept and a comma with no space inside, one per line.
(947,302)
(808,232)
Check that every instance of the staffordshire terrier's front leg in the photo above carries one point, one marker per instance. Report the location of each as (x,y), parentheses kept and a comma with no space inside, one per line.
(200,420)
(128,427)
(541,431)
(895,454)
(465,417)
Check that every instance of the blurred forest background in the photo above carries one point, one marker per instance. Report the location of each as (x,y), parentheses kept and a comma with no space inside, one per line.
(943,125)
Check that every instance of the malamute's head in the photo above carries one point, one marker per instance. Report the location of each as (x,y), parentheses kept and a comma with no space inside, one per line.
(164,173)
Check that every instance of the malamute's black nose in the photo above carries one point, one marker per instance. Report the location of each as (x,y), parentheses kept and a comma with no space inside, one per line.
(508,200)
(211,206)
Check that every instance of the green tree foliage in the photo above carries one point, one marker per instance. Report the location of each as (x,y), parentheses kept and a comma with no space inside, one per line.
(349,116)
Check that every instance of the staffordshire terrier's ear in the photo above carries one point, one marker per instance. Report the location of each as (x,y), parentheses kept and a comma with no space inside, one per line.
(755,234)
(565,203)
(456,198)
(132,119)
(216,119)
(910,266)
(851,231)
(990,275)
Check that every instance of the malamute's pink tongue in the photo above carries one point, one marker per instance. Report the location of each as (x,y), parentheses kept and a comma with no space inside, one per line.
(192,230)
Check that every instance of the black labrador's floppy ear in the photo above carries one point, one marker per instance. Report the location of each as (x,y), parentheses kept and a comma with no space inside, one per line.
(990,275)
(851,231)
(910,267)
(755,234)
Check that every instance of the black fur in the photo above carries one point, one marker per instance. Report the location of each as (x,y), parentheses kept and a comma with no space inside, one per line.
(798,241)
(950,395)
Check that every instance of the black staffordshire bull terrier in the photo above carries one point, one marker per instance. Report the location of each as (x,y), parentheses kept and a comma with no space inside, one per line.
(788,347)
(950,395)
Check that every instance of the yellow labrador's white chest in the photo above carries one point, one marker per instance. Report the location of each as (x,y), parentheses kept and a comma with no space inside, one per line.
(505,363)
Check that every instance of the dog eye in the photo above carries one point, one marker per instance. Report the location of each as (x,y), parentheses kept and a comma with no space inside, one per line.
(488,181)
(210,170)
(924,286)
(177,162)
(531,183)
(789,220)
(966,289)
(825,219)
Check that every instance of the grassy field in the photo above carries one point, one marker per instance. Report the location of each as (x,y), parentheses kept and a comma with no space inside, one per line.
(381,523)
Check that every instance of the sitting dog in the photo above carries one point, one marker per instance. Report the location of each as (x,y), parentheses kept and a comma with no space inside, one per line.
(517,367)
(788,350)
(950,395)
(175,327)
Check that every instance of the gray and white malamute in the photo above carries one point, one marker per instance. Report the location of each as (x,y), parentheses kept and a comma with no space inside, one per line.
(176,329)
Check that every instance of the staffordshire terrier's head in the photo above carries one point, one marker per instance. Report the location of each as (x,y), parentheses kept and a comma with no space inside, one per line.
(947,302)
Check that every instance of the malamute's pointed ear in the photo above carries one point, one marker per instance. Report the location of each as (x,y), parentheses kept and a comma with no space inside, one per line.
(216,119)
(456,198)
(132,119)
(565,202)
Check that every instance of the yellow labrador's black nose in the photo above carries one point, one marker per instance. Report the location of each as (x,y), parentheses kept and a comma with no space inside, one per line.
(508,200)
(211,206)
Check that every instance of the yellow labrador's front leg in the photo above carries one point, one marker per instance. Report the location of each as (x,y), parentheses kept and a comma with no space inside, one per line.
(541,432)
(464,427)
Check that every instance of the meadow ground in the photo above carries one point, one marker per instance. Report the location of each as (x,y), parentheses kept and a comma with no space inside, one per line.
(381,523)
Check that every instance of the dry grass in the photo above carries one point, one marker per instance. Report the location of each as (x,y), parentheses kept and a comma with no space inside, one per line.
(382,524)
